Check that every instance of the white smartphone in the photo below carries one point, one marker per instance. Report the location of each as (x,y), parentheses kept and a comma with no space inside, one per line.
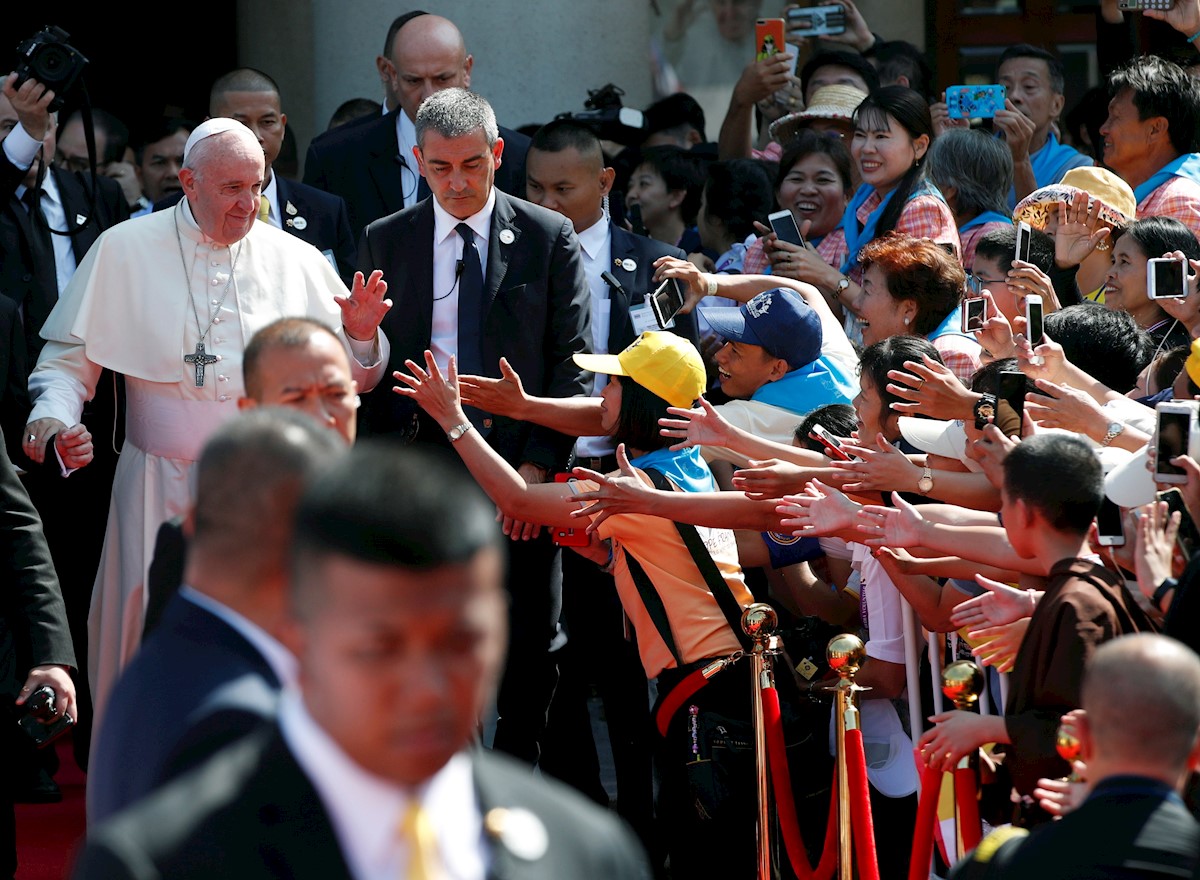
(1024,236)
(1166,278)
(783,224)
(666,302)
(1033,319)
(1175,434)
(974,313)
(1109,528)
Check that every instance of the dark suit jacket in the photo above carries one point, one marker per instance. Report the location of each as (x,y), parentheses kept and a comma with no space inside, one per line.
(33,622)
(643,251)
(538,316)
(326,222)
(1125,829)
(251,812)
(360,162)
(14,388)
(35,286)
(194,686)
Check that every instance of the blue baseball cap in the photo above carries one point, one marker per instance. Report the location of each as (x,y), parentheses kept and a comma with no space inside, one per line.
(778,320)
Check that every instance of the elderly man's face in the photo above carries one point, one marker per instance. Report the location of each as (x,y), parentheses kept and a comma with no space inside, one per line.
(430,643)
(459,170)
(313,378)
(224,190)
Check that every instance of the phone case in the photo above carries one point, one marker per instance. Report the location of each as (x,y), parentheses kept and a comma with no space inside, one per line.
(975,102)
(768,38)
(817,21)
(569,537)
(1139,5)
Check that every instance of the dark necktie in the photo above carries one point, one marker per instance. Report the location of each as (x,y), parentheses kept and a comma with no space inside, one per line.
(44,294)
(470,308)
(422,189)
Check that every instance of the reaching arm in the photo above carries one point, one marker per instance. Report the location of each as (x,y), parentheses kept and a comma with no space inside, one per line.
(506,396)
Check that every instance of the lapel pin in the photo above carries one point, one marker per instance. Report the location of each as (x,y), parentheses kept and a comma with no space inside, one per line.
(519,831)
(298,223)
(507,237)
(629,265)
(80,219)
(291,209)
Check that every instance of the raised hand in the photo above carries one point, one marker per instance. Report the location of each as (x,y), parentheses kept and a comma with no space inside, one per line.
(898,526)
(1000,604)
(1079,231)
(619,492)
(364,308)
(929,388)
(703,426)
(436,394)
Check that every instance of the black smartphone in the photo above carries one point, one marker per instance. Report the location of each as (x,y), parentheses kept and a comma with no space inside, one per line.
(783,224)
(1109,527)
(635,219)
(666,302)
(1010,402)
(1024,236)
(1188,536)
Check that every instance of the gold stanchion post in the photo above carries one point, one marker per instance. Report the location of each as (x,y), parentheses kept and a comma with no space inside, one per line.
(759,621)
(962,683)
(846,653)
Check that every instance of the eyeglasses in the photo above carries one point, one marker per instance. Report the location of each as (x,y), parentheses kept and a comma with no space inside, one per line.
(976,283)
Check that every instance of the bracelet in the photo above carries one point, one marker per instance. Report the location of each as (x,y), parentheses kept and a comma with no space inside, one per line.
(712,285)
(1194,37)
(1164,588)
(1032,600)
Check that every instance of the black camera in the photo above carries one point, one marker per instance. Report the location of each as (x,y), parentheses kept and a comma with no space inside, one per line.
(48,58)
(40,718)
(606,116)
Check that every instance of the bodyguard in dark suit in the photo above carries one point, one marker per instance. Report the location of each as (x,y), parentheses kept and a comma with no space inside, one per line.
(369,162)
(313,215)
(35,265)
(35,642)
(398,627)
(478,274)
(212,669)
(1140,739)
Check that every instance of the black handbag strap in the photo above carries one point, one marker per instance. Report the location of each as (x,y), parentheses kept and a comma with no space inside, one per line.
(654,604)
(717,585)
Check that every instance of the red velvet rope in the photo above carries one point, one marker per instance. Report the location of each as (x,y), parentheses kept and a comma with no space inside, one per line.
(785,805)
(922,852)
(860,807)
(966,794)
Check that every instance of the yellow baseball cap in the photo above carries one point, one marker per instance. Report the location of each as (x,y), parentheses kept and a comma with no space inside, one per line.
(664,364)
(1192,364)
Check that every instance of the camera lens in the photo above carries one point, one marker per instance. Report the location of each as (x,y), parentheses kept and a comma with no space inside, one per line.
(49,62)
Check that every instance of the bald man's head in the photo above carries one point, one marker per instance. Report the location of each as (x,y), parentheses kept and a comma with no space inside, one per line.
(427,54)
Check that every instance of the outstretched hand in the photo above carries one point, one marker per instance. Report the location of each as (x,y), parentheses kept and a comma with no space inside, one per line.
(503,397)
(702,426)
(820,510)
(435,393)
(898,526)
(620,492)
(364,308)
(1000,604)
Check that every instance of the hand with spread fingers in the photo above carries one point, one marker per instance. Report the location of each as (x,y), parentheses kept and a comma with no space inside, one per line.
(898,526)
(619,492)
(930,389)
(878,470)
(1154,546)
(999,643)
(702,426)
(820,510)
(1026,278)
(364,308)
(998,605)
(693,280)
(1080,230)
(769,478)
(504,396)
(437,394)
(996,337)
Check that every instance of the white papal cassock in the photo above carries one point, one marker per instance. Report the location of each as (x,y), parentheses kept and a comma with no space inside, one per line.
(127,308)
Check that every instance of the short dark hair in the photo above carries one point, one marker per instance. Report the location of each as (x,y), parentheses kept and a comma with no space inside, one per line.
(1069,504)
(978,165)
(1058,79)
(394,28)
(116,133)
(838,419)
(637,425)
(897,58)
(806,142)
(155,130)
(836,57)
(354,108)
(280,333)
(680,169)
(241,79)
(1162,88)
(1156,236)
(890,354)
(1107,344)
(921,270)
(356,509)
(1001,245)
(738,192)
(564,133)
(677,110)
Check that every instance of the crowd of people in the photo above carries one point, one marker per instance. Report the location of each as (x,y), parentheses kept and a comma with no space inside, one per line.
(252,426)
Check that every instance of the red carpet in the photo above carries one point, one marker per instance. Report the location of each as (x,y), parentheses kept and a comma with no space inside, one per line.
(47,834)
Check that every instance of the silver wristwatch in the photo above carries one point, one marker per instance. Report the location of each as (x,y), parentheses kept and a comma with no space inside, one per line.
(457,431)
(925,484)
(1114,429)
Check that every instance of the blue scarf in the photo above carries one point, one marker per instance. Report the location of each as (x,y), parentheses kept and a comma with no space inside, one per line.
(1187,165)
(1050,163)
(951,326)
(686,468)
(809,387)
(855,237)
(985,217)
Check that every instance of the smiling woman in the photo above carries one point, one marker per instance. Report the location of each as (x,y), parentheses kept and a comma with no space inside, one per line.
(1125,284)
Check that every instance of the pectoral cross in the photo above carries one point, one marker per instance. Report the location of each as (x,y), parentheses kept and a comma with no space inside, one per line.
(201,359)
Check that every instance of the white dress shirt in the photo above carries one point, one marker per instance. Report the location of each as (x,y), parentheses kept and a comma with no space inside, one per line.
(367,812)
(447,251)
(410,175)
(596,244)
(270,192)
(279,658)
(21,149)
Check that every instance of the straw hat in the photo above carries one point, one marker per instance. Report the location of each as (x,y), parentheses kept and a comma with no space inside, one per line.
(1117,203)
(828,102)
